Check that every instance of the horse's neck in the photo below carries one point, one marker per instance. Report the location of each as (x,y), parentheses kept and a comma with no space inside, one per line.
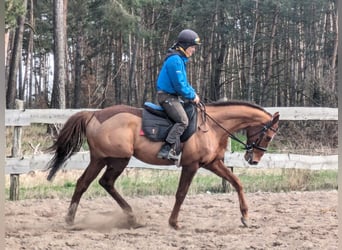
(234,118)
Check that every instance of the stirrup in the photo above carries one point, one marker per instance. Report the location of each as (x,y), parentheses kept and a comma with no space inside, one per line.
(177,162)
(174,157)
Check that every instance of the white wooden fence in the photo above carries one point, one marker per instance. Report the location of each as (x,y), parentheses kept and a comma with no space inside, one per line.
(20,165)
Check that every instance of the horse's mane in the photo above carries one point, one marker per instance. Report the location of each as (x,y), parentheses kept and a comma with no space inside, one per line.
(234,103)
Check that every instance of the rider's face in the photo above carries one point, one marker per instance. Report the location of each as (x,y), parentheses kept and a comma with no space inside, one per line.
(190,50)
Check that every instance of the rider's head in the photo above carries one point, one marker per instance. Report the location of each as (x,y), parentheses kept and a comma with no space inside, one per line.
(188,39)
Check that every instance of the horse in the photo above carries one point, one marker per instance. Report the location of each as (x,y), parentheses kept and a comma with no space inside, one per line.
(114,136)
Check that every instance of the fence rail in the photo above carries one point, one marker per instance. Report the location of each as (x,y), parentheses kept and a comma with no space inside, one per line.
(26,117)
(80,161)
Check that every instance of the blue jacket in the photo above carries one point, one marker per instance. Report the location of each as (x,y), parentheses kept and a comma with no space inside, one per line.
(172,78)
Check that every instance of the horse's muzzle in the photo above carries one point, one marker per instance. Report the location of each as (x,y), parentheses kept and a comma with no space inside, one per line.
(249,158)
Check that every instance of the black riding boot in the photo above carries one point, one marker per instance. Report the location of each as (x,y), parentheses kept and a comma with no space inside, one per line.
(164,151)
(168,151)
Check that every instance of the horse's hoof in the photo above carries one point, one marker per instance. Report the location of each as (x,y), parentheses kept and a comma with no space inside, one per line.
(244,221)
(132,222)
(69,220)
(174,225)
(136,225)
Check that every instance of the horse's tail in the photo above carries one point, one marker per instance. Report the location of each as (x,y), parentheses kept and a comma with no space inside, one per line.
(69,141)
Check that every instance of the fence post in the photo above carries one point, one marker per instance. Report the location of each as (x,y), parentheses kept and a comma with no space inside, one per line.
(14,187)
(16,153)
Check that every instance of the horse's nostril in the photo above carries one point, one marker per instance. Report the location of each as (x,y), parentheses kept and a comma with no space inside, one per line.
(251,162)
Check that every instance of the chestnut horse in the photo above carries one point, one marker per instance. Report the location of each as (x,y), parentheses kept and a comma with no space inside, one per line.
(114,136)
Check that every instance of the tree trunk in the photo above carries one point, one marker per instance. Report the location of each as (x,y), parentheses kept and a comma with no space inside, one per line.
(58,91)
(270,57)
(334,56)
(78,69)
(252,46)
(29,57)
(212,62)
(15,60)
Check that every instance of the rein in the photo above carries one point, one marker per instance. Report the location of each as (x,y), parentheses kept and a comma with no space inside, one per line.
(247,147)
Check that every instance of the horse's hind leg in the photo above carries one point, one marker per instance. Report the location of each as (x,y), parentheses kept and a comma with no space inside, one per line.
(82,185)
(115,167)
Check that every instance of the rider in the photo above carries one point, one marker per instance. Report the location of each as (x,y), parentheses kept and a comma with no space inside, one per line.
(172,87)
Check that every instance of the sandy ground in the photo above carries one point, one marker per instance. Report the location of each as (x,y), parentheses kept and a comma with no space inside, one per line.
(296,220)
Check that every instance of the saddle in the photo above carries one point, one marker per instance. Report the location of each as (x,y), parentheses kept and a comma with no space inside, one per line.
(156,124)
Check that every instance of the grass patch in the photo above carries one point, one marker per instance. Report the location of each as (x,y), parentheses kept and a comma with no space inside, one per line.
(285,180)
(143,182)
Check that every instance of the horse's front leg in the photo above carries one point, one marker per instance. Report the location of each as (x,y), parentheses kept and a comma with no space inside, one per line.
(221,170)
(188,172)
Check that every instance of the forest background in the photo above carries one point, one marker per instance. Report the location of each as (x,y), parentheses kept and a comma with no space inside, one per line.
(95,53)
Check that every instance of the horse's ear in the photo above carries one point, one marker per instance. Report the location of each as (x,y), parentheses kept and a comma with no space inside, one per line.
(275,117)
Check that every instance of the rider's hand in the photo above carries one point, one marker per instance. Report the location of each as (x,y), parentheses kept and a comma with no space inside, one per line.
(196,100)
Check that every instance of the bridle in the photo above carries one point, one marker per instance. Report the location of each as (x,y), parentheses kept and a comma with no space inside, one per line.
(248,147)
(261,133)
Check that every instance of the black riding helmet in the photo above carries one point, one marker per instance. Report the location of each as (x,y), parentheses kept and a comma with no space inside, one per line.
(187,38)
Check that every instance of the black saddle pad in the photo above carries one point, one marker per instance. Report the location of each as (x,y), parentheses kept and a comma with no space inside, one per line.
(156,124)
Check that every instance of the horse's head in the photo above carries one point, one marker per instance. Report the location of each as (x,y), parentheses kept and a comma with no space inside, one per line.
(258,139)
